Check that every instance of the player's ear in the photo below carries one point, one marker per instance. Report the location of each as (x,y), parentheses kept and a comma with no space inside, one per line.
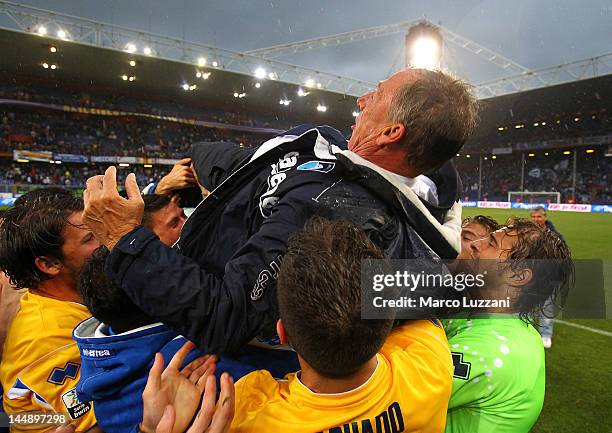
(48,265)
(282,334)
(521,277)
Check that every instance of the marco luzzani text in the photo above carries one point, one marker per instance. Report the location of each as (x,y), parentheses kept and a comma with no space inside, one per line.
(404,280)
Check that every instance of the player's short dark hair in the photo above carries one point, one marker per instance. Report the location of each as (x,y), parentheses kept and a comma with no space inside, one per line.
(153,203)
(550,260)
(486,221)
(319,297)
(33,228)
(440,114)
(105,300)
(38,196)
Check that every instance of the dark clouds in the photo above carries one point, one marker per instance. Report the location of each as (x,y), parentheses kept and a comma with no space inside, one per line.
(534,33)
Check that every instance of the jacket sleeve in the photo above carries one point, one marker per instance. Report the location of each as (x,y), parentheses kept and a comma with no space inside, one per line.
(214,162)
(218,313)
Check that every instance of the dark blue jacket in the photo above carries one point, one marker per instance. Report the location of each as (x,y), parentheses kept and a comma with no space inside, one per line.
(217,286)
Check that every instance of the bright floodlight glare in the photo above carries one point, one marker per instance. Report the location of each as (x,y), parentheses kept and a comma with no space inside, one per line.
(53,49)
(321,108)
(260,73)
(301,92)
(285,102)
(185,87)
(199,74)
(132,78)
(42,30)
(205,75)
(242,95)
(61,34)
(425,53)
(235,94)
(193,87)
(257,85)
(53,66)
(201,61)
(147,51)
(272,76)
(319,85)
(132,63)
(124,77)
(130,48)
(215,64)
(45,65)
(309,82)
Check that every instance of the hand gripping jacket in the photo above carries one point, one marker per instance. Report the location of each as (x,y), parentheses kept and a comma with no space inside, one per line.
(217,285)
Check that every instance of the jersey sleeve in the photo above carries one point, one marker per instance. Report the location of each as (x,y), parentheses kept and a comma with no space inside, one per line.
(50,383)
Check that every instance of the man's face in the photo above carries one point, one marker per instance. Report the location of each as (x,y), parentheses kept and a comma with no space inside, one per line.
(496,246)
(374,113)
(79,245)
(538,218)
(167,223)
(470,232)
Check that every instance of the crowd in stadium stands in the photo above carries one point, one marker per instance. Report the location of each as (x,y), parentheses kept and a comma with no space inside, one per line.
(545,173)
(95,135)
(124,103)
(70,175)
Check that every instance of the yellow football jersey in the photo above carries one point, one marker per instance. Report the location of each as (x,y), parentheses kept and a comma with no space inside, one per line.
(409,392)
(41,363)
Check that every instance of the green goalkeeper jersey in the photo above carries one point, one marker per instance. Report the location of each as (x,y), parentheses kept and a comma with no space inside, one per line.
(498,385)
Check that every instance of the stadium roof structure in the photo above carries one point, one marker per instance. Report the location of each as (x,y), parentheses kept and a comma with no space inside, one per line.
(97,70)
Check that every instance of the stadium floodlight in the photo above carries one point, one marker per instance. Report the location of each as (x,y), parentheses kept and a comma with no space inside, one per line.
(260,73)
(319,85)
(124,77)
(198,74)
(423,46)
(45,65)
(494,157)
(355,113)
(235,94)
(310,83)
(205,75)
(321,108)
(284,102)
(193,87)
(215,64)
(201,61)
(53,66)
(132,63)
(301,92)
(272,76)
(61,34)
(242,95)
(185,86)
(257,85)
(468,155)
(147,51)
(42,30)
(132,78)
(53,49)
(130,48)
(545,153)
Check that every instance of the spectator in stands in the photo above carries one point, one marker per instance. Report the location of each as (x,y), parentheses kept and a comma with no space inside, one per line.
(163,217)
(539,217)
(43,245)
(221,291)
(354,372)
(499,373)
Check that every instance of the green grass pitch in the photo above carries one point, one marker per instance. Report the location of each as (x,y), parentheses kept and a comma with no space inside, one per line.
(578,366)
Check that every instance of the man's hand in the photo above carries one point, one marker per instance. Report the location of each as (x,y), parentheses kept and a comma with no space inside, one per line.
(107,214)
(181,176)
(211,418)
(180,389)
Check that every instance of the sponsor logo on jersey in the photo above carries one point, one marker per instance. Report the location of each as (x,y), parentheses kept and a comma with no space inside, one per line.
(462,369)
(59,375)
(74,406)
(268,200)
(269,274)
(96,353)
(320,166)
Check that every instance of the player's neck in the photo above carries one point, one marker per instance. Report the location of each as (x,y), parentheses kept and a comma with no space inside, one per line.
(60,290)
(325,385)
